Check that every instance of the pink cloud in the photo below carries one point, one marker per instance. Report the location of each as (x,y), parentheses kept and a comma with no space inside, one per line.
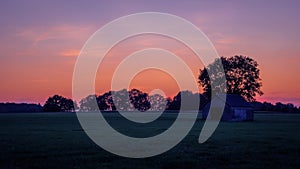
(57,32)
(41,37)
(70,53)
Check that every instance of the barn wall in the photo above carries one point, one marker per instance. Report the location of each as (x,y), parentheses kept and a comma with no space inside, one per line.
(250,114)
(228,114)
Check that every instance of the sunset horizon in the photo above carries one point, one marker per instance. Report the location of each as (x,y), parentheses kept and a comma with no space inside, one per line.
(149,84)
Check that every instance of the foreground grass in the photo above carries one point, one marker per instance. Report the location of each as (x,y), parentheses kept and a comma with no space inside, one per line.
(56,140)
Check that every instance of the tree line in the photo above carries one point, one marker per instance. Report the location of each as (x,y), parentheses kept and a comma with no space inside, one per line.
(123,100)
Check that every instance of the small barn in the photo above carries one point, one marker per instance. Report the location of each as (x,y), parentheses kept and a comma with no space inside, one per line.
(236,108)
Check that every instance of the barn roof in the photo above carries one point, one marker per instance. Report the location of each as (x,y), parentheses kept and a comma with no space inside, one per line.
(235,100)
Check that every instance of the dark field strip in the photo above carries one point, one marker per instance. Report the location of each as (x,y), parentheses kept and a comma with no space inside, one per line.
(56,140)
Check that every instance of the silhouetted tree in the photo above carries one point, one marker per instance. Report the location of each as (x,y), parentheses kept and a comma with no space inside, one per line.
(139,100)
(268,106)
(122,101)
(107,102)
(58,103)
(174,104)
(280,106)
(157,102)
(289,107)
(101,101)
(88,103)
(242,77)
(110,101)
(95,103)
(169,103)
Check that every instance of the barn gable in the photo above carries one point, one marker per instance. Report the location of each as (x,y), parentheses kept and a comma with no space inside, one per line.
(236,108)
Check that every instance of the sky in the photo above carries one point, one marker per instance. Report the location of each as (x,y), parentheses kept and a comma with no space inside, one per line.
(40,41)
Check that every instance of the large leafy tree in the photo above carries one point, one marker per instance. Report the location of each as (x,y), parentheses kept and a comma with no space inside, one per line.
(242,77)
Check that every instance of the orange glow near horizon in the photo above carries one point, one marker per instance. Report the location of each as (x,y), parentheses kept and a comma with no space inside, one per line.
(149,79)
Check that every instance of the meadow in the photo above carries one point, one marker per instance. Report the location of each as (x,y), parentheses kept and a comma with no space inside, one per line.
(56,140)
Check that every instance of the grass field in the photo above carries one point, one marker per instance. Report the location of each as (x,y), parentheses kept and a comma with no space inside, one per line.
(56,140)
